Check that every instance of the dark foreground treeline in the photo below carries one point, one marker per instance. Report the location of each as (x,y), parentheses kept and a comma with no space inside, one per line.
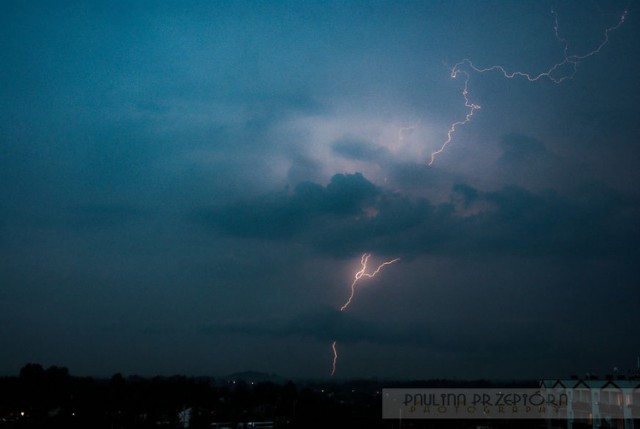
(52,398)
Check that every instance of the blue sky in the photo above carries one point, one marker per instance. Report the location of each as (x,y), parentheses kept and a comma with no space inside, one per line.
(187,187)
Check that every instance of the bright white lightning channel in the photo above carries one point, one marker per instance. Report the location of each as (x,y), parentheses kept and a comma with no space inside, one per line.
(359,275)
(556,73)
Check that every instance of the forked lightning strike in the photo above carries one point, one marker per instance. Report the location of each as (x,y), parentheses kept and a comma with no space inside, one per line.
(554,73)
(362,273)
(557,73)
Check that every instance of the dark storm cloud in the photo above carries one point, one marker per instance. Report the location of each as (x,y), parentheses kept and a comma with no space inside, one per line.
(128,129)
(591,221)
(415,177)
(408,176)
(327,325)
(282,214)
(324,325)
(466,192)
(303,169)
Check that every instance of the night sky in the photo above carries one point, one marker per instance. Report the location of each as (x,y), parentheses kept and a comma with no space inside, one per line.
(188,187)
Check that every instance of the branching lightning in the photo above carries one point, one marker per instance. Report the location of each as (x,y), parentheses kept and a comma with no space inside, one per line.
(358,275)
(362,273)
(557,73)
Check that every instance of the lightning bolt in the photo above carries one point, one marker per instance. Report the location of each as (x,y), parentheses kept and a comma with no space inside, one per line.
(364,259)
(335,358)
(363,273)
(472,108)
(554,73)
